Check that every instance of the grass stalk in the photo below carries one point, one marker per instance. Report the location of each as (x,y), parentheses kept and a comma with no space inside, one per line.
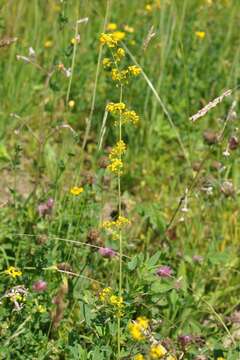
(89,120)
(73,62)
(161,103)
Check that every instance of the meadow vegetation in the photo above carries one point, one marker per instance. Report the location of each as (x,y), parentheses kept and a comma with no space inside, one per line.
(119,232)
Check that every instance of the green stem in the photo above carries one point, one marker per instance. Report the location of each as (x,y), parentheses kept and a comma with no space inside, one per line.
(89,120)
(73,62)
(120,231)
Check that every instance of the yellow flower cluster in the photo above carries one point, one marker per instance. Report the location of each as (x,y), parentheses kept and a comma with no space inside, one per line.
(115,108)
(115,166)
(105,293)
(13,272)
(118,149)
(106,63)
(108,39)
(106,296)
(138,328)
(119,35)
(116,301)
(76,190)
(134,70)
(111,39)
(119,75)
(130,116)
(120,53)
(122,75)
(119,223)
(157,351)
(122,221)
(126,115)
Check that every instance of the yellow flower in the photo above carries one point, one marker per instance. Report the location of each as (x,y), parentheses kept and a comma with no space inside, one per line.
(41,309)
(75,40)
(108,39)
(108,224)
(106,62)
(115,166)
(130,116)
(200,34)
(48,44)
(111,27)
(122,221)
(118,35)
(136,331)
(105,293)
(115,107)
(120,54)
(157,351)
(13,272)
(220,358)
(134,70)
(119,75)
(116,301)
(138,357)
(148,8)
(76,190)
(138,327)
(118,149)
(129,29)
(143,322)
(71,103)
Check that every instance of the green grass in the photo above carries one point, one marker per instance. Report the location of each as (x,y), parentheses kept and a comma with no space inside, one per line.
(42,159)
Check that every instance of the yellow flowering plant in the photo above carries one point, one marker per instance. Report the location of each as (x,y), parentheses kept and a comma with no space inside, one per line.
(120,76)
(13,272)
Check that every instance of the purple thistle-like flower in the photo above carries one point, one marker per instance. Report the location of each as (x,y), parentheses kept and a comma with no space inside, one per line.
(45,208)
(39,286)
(42,209)
(164,271)
(107,252)
(50,203)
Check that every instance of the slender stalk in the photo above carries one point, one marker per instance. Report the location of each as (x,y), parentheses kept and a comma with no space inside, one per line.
(89,120)
(73,62)
(161,103)
(120,230)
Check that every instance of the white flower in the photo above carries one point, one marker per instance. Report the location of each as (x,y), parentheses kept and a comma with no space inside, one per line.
(31,52)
